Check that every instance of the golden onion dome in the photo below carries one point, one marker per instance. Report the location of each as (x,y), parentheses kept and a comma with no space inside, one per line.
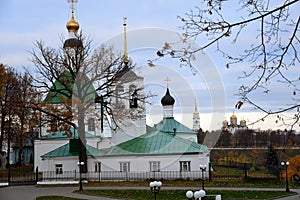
(243,121)
(225,122)
(72,25)
(233,117)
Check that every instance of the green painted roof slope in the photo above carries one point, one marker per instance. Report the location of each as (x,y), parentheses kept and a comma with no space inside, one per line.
(64,151)
(169,124)
(58,135)
(157,142)
(63,89)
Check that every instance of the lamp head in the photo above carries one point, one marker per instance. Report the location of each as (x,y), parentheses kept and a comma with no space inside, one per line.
(202,193)
(189,194)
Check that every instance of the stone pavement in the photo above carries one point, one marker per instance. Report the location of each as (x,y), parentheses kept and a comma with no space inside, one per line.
(31,192)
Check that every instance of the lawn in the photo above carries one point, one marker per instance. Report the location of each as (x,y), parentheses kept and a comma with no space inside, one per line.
(259,183)
(55,198)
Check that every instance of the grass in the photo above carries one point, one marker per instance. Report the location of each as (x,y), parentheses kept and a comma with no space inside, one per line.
(259,183)
(174,194)
(56,198)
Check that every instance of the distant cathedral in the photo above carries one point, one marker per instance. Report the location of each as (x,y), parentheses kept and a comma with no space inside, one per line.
(234,126)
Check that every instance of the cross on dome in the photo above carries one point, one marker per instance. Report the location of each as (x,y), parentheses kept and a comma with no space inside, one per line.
(72,25)
(167,81)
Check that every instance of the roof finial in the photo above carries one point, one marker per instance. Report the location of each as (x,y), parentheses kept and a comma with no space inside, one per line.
(125,42)
(167,81)
(72,25)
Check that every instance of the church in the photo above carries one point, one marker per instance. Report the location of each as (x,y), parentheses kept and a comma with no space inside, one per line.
(125,146)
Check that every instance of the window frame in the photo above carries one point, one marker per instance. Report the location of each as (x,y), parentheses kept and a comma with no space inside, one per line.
(91,124)
(98,166)
(125,166)
(185,166)
(154,166)
(59,168)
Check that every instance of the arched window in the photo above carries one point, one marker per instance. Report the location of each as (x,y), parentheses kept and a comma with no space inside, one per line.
(132,96)
(91,124)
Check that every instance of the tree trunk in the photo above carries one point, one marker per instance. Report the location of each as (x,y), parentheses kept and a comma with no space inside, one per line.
(2,130)
(82,144)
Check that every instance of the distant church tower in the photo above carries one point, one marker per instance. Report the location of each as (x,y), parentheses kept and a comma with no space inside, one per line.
(196,119)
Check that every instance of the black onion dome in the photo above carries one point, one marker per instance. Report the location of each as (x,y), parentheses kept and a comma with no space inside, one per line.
(72,43)
(167,100)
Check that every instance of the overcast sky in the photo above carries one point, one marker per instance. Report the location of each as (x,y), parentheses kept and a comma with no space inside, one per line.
(150,24)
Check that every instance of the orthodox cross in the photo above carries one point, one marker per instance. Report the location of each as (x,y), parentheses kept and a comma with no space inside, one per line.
(73,1)
(167,81)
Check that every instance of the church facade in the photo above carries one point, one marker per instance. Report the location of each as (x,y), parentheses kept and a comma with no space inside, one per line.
(121,145)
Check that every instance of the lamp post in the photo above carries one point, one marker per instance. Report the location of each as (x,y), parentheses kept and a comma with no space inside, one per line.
(80,164)
(203,169)
(286,164)
(197,194)
(155,187)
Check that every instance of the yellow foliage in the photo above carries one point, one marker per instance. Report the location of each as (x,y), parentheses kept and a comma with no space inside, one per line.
(293,168)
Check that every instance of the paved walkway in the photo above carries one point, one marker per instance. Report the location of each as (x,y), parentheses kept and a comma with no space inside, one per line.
(31,192)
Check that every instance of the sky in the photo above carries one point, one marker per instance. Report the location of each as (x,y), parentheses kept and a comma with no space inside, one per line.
(150,23)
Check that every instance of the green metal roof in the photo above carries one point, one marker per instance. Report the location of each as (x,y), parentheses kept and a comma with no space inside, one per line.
(157,142)
(59,135)
(64,151)
(154,142)
(63,89)
(169,125)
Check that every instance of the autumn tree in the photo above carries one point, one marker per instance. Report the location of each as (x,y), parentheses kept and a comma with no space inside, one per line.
(9,118)
(272,160)
(27,117)
(8,105)
(225,139)
(3,78)
(262,35)
(16,115)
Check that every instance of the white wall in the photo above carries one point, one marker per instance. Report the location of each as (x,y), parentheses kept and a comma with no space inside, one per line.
(167,162)
(44,146)
(137,163)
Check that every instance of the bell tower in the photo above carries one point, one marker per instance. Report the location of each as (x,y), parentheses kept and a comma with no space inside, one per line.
(196,119)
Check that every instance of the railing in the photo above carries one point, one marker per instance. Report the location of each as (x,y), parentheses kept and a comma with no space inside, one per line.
(216,171)
(244,171)
(122,176)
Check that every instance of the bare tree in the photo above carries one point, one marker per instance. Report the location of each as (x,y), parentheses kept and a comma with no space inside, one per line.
(271,31)
(74,80)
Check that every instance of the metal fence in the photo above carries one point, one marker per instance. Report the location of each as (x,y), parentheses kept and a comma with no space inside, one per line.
(242,171)
(20,176)
(122,176)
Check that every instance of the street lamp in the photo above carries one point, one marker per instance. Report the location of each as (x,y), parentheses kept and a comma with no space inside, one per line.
(203,169)
(197,194)
(286,164)
(155,187)
(80,164)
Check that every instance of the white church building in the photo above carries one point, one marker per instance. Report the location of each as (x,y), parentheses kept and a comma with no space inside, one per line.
(131,150)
